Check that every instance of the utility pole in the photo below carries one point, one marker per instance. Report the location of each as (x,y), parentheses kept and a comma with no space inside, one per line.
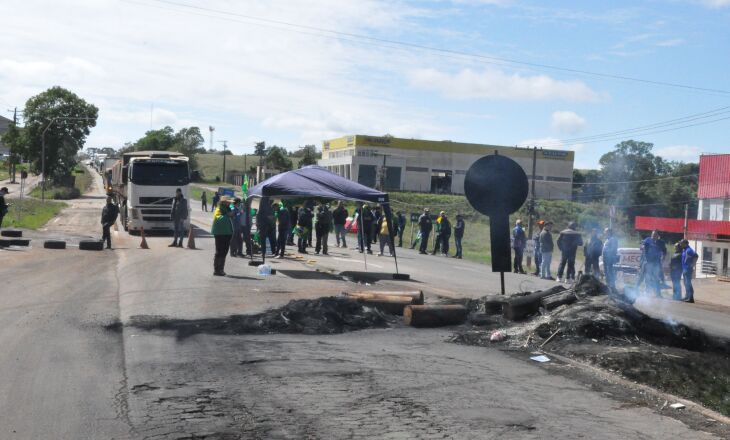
(225,144)
(531,205)
(211,129)
(686,219)
(12,156)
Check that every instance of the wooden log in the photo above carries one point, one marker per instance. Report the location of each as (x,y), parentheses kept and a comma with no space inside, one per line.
(416,295)
(388,304)
(520,307)
(434,315)
(554,301)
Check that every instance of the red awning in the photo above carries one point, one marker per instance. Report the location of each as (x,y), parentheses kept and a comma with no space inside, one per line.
(696,229)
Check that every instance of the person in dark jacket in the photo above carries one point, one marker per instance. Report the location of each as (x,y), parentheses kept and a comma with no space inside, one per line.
(377,213)
(592,251)
(3,206)
(304,224)
(215,200)
(178,215)
(204,201)
(675,272)
(236,248)
(401,226)
(266,225)
(339,218)
(546,251)
(443,234)
(459,229)
(322,228)
(425,225)
(283,228)
(367,224)
(293,212)
(519,241)
(108,217)
(568,242)
(653,251)
(536,240)
(610,257)
(222,230)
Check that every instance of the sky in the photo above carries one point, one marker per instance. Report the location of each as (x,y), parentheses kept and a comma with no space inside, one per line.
(288,72)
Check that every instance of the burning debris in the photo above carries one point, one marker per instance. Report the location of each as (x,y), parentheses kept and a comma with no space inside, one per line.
(328,315)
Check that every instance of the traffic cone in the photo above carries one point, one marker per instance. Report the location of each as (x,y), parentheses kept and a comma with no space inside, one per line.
(191,238)
(143,245)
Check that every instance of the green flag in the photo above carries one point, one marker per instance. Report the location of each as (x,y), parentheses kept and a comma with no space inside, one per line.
(244,186)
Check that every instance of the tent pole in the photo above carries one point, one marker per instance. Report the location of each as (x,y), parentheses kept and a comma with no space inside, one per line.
(362,243)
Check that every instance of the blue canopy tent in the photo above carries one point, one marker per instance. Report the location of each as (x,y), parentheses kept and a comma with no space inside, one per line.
(318,182)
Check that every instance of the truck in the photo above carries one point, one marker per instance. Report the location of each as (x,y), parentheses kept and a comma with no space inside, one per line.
(143,185)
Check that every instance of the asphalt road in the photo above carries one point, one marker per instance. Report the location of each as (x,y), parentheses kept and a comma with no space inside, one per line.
(71,373)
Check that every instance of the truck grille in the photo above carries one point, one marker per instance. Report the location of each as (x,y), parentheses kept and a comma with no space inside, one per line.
(154,200)
(156,219)
(157,211)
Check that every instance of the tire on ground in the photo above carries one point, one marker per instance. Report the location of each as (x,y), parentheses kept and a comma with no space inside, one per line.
(11,233)
(54,244)
(91,245)
(19,242)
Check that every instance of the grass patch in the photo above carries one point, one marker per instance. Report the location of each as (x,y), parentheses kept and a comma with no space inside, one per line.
(211,165)
(31,213)
(82,183)
(5,170)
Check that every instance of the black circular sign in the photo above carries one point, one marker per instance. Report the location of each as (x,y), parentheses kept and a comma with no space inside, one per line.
(496,185)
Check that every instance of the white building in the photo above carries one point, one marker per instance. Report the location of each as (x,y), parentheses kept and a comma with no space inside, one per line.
(437,166)
(713,214)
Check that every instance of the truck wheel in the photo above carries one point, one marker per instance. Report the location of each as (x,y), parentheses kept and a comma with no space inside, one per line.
(125,220)
(54,244)
(11,233)
(91,245)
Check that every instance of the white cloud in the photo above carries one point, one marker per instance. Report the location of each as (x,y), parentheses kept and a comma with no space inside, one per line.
(567,122)
(679,152)
(498,85)
(715,4)
(671,42)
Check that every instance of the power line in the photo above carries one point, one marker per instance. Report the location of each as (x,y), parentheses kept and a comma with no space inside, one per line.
(483,58)
(636,181)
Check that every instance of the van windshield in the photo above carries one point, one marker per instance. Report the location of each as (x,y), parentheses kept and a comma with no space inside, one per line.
(160,172)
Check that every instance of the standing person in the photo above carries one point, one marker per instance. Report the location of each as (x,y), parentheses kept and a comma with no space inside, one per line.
(568,242)
(304,223)
(536,241)
(459,229)
(367,224)
(401,227)
(339,218)
(3,206)
(610,257)
(214,202)
(324,223)
(293,212)
(652,254)
(108,217)
(246,227)
(284,228)
(178,215)
(675,272)
(222,230)
(236,247)
(425,224)
(445,234)
(204,201)
(376,216)
(689,258)
(265,223)
(592,252)
(546,251)
(437,234)
(384,235)
(519,240)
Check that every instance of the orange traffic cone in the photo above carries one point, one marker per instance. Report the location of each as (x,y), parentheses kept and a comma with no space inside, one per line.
(143,245)
(191,238)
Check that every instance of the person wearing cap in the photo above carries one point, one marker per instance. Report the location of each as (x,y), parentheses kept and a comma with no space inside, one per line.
(610,257)
(569,240)
(536,240)
(425,225)
(546,251)
(459,229)
(3,206)
(689,258)
(222,230)
(519,241)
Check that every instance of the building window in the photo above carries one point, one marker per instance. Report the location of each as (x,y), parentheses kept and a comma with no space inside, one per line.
(417,169)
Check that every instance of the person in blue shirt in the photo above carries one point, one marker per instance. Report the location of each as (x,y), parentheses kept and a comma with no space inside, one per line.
(689,258)
(652,254)
(675,272)
(610,257)
(519,240)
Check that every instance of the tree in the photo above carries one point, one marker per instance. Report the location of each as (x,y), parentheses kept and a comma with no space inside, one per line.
(260,149)
(14,139)
(156,140)
(276,157)
(309,156)
(189,141)
(586,186)
(66,119)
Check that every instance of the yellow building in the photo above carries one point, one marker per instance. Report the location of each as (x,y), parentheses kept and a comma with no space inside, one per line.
(437,166)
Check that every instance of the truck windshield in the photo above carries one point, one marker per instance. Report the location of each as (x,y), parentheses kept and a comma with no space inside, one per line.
(160,172)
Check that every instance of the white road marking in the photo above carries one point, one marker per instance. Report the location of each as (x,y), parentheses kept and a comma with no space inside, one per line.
(350,260)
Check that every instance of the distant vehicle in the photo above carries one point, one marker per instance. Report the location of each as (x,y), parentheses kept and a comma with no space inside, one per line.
(225,191)
(143,184)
